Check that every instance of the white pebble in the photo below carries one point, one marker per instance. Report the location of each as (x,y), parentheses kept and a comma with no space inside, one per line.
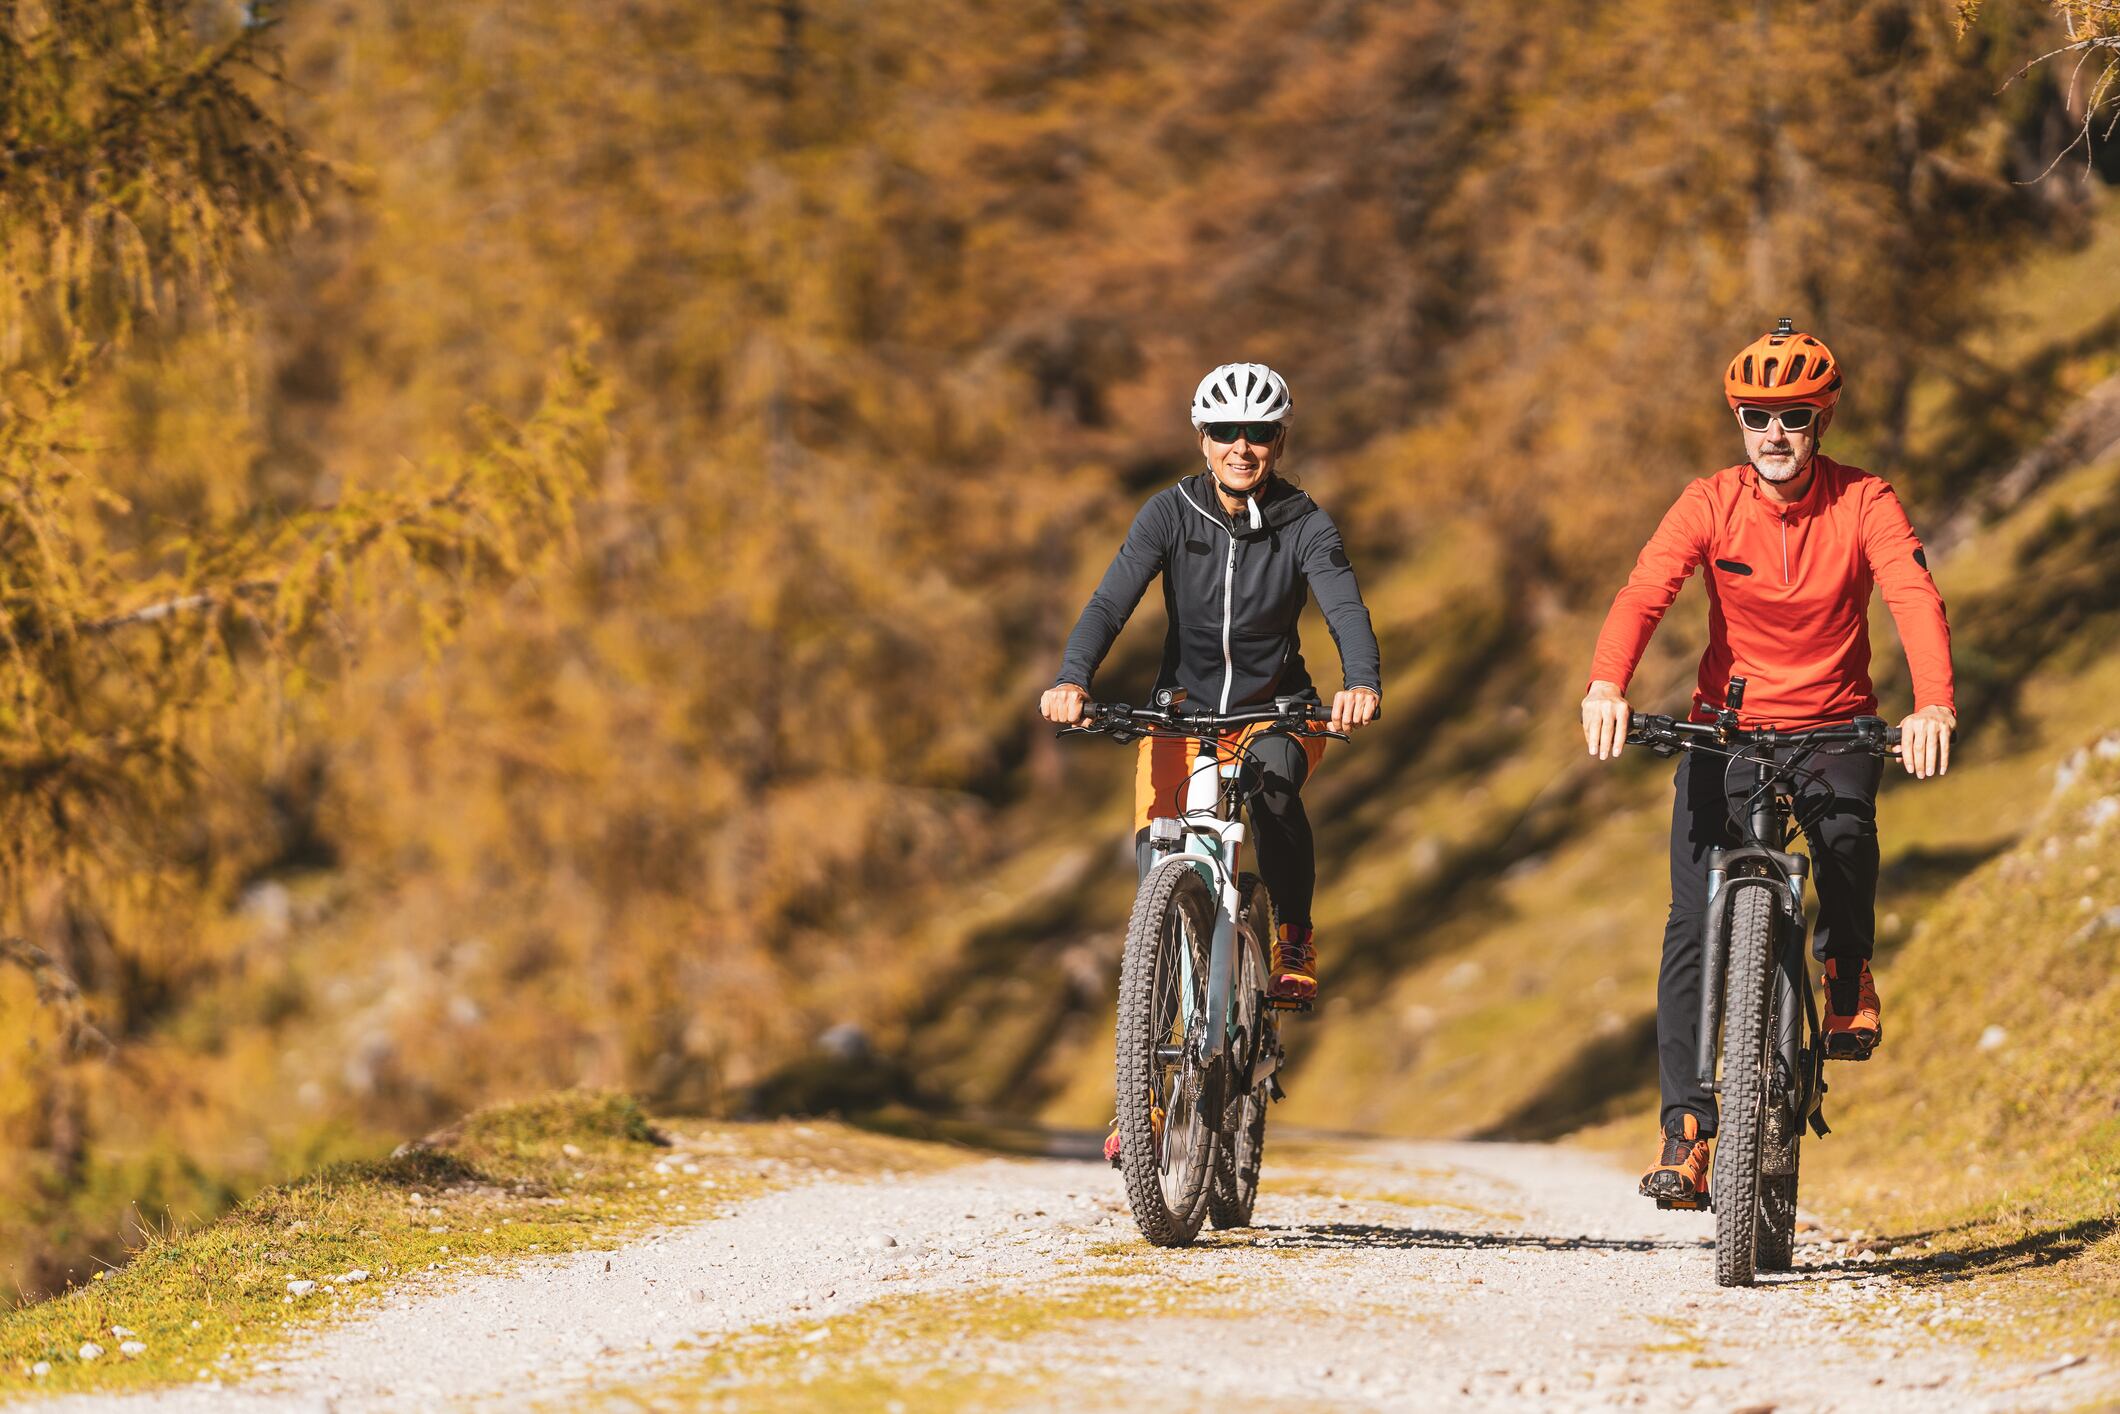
(1993,1038)
(357,1274)
(91,1351)
(132,1349)
(121,1332)
(41,1368)
(301,1287)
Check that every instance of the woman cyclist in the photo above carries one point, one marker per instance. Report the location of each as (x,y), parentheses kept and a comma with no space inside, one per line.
(1239,550)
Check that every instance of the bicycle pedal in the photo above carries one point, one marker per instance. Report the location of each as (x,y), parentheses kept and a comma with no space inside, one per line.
(1301,1008)
(1674,1205)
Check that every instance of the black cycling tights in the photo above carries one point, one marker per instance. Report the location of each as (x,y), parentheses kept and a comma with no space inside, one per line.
(1280,830)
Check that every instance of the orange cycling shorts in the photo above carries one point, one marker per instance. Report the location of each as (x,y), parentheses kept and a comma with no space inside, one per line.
(1163,764)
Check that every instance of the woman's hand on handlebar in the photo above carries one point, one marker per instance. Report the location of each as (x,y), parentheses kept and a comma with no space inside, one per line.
(1605,719)
(1925,741)
(1063,703)
(1354,707)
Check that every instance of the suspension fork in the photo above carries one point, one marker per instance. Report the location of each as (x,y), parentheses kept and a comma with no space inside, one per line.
(1715,938)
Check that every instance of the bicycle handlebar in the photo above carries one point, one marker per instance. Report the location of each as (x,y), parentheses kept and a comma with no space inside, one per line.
(1118,718)
(1682,734)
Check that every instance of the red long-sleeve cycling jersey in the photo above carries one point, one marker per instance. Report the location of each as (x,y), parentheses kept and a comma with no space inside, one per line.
(1788,596)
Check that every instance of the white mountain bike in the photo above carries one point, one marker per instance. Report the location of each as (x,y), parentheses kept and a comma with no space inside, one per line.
(1198,1042)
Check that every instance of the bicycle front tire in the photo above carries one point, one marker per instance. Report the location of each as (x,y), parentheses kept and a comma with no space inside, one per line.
(1165,1144)
(1747,1063)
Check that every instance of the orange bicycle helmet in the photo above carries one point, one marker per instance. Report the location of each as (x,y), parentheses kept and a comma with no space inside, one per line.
(1784,367)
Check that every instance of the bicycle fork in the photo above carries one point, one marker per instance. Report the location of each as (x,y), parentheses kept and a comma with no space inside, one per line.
(1715,950)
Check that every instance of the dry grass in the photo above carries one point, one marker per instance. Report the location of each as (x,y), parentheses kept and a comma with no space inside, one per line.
(550,1175)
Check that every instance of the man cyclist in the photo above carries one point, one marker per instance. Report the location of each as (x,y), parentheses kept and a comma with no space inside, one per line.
(1792,542)
(1239,549)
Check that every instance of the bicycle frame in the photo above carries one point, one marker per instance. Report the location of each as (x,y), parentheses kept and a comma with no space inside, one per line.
(1209,836)
(1211,841)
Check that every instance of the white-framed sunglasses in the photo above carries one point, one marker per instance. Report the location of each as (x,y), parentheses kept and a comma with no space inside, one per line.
(1796,419)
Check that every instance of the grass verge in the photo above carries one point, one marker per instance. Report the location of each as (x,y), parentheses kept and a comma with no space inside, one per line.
(555,1174)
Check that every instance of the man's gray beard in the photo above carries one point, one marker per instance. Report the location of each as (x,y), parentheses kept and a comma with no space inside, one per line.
(1795,469)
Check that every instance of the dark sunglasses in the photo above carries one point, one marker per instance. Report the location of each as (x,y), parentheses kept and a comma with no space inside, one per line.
(1256,433)
(1792,419)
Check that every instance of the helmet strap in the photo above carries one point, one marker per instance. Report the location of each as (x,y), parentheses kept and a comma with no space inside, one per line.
(1249,498)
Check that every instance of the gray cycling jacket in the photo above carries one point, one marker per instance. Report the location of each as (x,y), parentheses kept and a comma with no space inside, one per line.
(1233,594)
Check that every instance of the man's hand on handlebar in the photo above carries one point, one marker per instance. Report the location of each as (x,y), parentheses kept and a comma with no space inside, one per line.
(1605,719)
(1063,703)
(1354,707)
(1925,741)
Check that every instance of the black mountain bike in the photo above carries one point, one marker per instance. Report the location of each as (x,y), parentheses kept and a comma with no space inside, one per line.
(1198,1043)
(1758,1011)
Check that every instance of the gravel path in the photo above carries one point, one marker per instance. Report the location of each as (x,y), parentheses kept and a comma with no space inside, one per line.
(1381,1275)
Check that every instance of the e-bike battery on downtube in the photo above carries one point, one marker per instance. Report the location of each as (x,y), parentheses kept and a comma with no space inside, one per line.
(1203,791)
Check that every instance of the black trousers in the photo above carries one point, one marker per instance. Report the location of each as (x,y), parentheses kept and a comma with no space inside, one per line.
(1839,818)
(1280,828)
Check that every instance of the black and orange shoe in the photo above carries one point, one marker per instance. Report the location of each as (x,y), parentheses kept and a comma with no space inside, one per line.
(1679,1177)
(1292,972)
(1854,1019)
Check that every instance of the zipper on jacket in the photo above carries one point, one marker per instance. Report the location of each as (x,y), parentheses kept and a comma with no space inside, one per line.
(1229,598)
(1785,554)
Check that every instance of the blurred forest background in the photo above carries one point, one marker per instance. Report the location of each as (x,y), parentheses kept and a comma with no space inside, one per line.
(531,534)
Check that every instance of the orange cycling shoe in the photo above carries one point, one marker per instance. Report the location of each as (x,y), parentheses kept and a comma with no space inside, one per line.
(1292,973)
(1679,1177)
(1854,1019)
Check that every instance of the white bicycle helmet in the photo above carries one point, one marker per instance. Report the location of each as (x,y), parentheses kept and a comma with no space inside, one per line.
(1242,392)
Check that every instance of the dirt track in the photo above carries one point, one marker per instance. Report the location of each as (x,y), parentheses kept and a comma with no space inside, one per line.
(1382,1275)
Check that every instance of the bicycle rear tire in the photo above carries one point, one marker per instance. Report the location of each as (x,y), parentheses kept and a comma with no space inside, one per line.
(1233,1188)
(1789,1096)
(1747,1064)
(1164,1159)
(1777,1221)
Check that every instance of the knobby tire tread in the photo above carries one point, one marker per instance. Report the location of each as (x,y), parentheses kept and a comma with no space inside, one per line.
(1777,1221)
(1167,886)
(1735,1179)
(1233,1188)
(1777,1191)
